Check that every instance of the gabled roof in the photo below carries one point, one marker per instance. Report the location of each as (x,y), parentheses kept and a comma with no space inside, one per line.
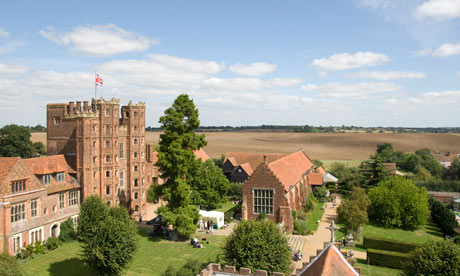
(315,179)
(330,262)
(6,164)
(320,170)
(201,154)
(233,161)
(247,168)
(254,159)
(290,169)
(48,164)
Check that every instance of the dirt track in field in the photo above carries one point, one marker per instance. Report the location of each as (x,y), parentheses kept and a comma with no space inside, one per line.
(325,146)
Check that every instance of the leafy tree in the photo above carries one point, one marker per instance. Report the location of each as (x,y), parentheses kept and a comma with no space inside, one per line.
(39,148)
(258,245)
(108,236)
(429,162)
(434,258)
(219,161)
(453,171)
(9,266)
(176,160)
(353,209)
(67,232)
(397,202)
(411,162)
(15,141)
(339,170)
(443,217)
(209,185)
(235,191)
(317,163)
(320,193)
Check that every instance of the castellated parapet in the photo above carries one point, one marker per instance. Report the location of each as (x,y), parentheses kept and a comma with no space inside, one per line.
(105,144)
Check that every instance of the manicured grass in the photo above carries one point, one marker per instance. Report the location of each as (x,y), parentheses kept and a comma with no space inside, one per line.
(376,270)
(153,256)
(424,234)
(315,215)
(226,206)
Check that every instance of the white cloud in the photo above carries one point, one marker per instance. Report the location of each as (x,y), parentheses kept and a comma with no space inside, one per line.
(253,69)
(422,53)
(100,40)
(447,49)
(447,98)
(391,10)
(322,74)
(3,51)
(10,70)
(391,101)
(283,82)
(439,9)
(388,75)
(3,33)
(345,61)
(361,90)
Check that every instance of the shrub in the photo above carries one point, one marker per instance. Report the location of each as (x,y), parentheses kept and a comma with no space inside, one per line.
(262,216)
(67,232)
(9,266)
(320,193)
(39,248)
(300,227)
(52,243)
(353,210)
(434,258)
(228,216)
(387,258)
(309,204)
(388,244)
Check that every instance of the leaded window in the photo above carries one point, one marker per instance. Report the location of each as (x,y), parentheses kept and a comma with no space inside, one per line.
(263,201)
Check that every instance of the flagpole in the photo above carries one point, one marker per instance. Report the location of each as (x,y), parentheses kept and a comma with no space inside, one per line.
(95,85)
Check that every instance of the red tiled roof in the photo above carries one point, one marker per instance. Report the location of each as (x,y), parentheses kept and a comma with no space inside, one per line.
(201,154)
(291,168)
(233,161)
(254,159)
(330,262)
(321,170)
(48,164)
(315,179)
(6,164)
(247,168)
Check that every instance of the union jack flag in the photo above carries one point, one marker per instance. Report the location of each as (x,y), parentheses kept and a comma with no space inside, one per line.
(99,81)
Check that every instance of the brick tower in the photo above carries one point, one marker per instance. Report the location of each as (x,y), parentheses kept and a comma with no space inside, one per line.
(107,151)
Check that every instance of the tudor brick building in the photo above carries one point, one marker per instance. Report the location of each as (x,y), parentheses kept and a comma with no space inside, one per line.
(279,187)
(36,196)
(106,147)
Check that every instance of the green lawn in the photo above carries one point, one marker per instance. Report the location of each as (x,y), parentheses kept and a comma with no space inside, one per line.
(374,270)
(315,215)
(226,206)
(153,256)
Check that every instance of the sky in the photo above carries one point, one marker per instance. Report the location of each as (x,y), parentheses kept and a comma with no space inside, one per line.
(347,62)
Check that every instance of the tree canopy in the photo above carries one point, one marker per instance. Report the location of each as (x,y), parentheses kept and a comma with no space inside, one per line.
(353,209)
(108,236)
(397,202)
(178,165)
(258,245)
(15,141)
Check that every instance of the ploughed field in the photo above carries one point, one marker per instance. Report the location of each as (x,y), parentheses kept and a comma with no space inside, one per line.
(323,146)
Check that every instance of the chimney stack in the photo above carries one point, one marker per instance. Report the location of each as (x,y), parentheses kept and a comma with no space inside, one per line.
(85,106)
(79,106)
(71,108)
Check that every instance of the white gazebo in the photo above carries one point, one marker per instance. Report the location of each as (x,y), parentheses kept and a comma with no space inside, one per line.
(216,217)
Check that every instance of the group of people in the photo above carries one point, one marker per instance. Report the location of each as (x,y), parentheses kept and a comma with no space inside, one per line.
(194,242)
(207,226)
(297,256)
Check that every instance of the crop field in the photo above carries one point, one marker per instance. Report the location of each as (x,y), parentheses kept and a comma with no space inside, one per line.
(323,146)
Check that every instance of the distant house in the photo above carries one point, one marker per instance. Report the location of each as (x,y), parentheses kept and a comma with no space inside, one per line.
(276,188)
(238,166)
(37,195)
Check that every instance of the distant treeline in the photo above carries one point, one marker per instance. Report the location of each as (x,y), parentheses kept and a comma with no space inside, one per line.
(322,129)
(37,128)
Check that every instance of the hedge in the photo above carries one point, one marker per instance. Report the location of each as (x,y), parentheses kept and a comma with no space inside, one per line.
(387,258)
(388,244)
(230,214)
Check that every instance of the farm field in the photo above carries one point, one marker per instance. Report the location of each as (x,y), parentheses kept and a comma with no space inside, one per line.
(323,146)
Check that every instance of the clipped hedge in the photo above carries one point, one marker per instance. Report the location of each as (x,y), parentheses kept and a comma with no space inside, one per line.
(388,244)
(387,258)
(230,214)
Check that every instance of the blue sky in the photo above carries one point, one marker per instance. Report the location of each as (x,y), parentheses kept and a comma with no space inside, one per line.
(349,62)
